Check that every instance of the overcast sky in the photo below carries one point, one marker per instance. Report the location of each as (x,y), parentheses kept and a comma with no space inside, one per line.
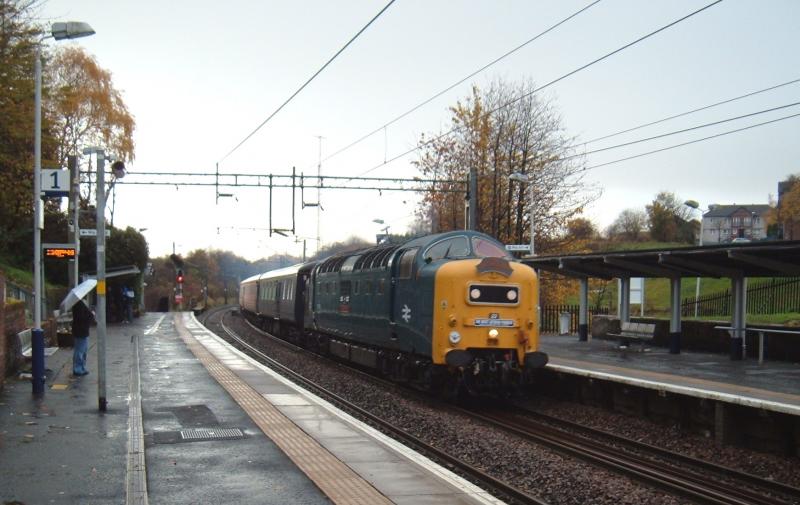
(199,76)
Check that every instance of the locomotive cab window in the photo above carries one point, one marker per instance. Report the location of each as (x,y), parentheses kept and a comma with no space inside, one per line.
(407,263)
(454,247)
(486,249)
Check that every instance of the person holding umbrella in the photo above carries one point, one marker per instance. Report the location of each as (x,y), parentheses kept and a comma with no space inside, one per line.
(81,320)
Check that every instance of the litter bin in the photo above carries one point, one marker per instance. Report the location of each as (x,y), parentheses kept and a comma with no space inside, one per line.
(563,323)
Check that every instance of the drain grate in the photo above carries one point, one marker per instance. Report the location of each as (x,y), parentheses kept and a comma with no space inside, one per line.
(212,434)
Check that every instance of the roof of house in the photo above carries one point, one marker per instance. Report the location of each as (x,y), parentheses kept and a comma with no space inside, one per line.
(728,210)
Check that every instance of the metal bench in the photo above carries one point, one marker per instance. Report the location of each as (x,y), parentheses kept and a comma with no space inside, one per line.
(634,331)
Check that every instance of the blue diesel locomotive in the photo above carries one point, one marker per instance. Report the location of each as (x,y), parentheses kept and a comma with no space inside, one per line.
(443,311)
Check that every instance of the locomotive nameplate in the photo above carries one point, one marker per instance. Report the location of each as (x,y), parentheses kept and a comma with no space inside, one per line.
(497,323)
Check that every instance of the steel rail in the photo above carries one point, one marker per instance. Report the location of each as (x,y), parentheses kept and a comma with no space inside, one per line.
(682,482)
(767,484)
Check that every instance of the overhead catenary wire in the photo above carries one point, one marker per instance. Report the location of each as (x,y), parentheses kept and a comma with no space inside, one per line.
(308,81)
(676,132)
(675,146)
(540,88)
(699,109)
(461,81)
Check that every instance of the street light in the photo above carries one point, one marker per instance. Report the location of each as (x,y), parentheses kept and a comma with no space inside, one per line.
(385,230)
(692,204)
(525,179)
(118,171)
(59,31)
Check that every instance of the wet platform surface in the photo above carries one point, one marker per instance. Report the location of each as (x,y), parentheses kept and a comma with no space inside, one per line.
(773,385)
(191,420)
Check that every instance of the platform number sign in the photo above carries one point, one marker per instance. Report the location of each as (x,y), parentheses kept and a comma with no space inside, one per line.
(55,182)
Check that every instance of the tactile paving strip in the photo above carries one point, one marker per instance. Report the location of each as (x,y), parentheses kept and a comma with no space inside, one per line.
(338,481)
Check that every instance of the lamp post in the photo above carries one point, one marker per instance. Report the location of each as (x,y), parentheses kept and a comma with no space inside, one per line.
(385,230)
(526,179)
(694,205)
(59,31)
(118,170)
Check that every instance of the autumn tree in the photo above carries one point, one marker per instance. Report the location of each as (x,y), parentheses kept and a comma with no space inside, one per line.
(85,107)
(630,224)
(18,39)
(788,211)
(669,219)
(495,132)
(581,228)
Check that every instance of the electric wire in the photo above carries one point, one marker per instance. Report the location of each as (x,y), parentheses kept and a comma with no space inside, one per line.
(676,132)
(722,134)
(554,81)
(461,81)
(308,81)
(645,125)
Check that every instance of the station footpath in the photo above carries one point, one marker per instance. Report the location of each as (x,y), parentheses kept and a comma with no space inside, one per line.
(190,420)
(773,385)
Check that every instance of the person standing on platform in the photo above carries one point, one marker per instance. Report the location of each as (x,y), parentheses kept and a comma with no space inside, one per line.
(81,320)
(128,297)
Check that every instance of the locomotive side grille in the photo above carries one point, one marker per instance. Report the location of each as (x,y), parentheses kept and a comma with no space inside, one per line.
(487,294)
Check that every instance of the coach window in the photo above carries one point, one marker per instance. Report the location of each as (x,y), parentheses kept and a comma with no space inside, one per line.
(380,286)
(407,263)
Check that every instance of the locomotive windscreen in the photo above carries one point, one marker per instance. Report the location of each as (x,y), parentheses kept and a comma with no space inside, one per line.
(493,295)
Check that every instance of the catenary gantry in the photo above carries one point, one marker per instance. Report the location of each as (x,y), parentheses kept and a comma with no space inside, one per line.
(736,262)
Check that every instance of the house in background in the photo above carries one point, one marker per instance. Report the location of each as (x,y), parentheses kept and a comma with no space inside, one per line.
(723,223)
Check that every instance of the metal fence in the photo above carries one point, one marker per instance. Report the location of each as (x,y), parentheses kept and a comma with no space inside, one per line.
(771,296)
(17,293)
(552,313)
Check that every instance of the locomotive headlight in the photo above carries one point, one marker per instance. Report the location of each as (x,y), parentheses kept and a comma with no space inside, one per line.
(475,293)
(511,295)
(455,337)
(493,334)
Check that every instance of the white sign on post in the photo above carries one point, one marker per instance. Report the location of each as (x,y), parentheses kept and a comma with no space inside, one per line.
(91,232)
(55,182)
(518,247)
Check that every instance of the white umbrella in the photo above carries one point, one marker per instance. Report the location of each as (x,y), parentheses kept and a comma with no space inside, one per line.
(77,293)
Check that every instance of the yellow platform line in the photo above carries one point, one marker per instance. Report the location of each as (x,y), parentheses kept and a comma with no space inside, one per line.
(338,481)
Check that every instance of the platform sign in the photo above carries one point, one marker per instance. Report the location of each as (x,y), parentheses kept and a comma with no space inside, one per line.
(518,247)
(91,232)
(59,251)
(55,182)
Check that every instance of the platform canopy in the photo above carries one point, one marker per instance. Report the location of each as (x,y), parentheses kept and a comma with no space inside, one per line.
(755,259)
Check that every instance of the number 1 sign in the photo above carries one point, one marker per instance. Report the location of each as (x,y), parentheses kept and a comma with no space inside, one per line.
(55,182)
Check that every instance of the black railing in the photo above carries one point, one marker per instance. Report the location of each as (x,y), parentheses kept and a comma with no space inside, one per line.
(551,315)
(772,296)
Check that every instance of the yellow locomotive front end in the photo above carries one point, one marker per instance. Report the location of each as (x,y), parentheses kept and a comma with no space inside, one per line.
(486,320)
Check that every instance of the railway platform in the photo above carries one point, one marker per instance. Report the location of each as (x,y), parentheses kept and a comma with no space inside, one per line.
(736,401)
(191,420)
(773,385)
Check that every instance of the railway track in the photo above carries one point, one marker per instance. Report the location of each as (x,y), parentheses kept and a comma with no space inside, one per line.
(702,487)
(677,474)
(745,479)
(486,481)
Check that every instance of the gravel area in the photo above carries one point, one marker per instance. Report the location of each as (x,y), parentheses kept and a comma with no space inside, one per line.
(537,470)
